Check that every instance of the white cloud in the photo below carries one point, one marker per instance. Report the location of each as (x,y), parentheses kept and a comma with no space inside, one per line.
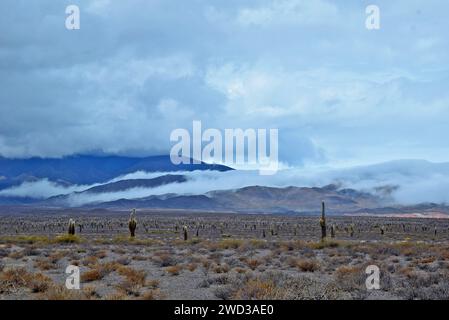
(138,69)
(99,7)
(416,182)
(290,12)
(40,189)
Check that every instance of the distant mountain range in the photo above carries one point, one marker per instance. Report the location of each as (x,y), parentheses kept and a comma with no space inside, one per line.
(108,191)
(63,200)
(257,199)
(127,184)
(86,169)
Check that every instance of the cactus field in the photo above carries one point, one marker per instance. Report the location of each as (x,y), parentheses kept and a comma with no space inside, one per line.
(200,255)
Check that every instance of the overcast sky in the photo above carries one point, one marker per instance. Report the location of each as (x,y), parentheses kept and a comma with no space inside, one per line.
(137,69)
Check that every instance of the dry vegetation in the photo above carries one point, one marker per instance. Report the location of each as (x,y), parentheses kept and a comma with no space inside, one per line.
(230,258)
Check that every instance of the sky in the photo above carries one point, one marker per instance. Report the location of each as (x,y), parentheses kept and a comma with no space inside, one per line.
(339,94)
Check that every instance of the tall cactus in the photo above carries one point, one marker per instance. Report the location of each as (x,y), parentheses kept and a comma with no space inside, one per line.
(72,227)
(132,223)
(185,233)
(333,231)
(323,221)
(351,230)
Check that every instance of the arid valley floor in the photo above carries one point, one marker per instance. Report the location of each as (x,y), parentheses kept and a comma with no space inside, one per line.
(225,256)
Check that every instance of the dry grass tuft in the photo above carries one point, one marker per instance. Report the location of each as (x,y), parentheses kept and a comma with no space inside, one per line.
(230,244)
(152,283)
(12,279)
(253,263)
(92,275)
(25,239)
(59,292)
(67,238)
(221,268)
(256,289)
(101,254)
(163,259)
(99,271)
(350,277)
(324,244)
(154,294)
(89,261)
(39,283)
(307,265)
(44,264)
(134,276)
(118,295)
(174,270)
(191,267)
(240,270)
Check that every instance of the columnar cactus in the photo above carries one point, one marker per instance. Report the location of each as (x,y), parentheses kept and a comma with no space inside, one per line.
(72,227)
(333,231)
(185,233)
(323,221)
(132,224)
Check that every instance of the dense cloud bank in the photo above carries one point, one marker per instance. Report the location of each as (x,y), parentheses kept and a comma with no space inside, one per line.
(402,182)
(136,70)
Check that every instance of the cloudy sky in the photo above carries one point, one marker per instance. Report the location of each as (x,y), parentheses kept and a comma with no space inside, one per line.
(339,94)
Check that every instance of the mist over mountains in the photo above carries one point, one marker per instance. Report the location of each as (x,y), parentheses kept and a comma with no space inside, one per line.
(87,169)
(408,187)
(256,199)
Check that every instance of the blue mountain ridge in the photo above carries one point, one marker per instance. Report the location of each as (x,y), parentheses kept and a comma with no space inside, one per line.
(88,169)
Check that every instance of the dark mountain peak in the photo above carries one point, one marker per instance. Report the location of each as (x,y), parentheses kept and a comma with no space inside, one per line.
(126,184)
(332,187)
(89,169)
